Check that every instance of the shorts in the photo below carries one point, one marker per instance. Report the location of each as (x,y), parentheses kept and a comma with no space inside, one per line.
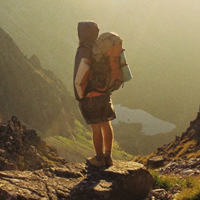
(97,109)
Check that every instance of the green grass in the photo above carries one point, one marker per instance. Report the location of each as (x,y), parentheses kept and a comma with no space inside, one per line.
(190,185)
(81,147)
(192,189)
(71,150)
(166,182)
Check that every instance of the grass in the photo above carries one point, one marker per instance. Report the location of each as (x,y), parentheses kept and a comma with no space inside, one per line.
(190,186)
(49,162)
(192,189)
(185,148)
(166,182)
(193,154)
(142,158)
(71,150)
(81,147)
(174,151)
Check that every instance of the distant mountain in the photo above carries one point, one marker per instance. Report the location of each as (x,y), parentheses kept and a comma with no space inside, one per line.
(32,93)
(134,141)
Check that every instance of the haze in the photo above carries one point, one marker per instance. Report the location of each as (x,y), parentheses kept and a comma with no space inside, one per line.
(161,39)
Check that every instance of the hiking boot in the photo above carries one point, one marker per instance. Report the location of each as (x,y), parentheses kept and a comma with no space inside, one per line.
(96,163)
(109,161)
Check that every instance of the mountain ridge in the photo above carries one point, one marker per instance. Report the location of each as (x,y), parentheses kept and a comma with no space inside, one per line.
(25,86)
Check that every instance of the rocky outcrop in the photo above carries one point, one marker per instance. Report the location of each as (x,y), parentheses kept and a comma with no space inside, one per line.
(185,146)
(155,162)
(124,180)
(182,149)
(32,169)
(32,93)
(181,159)
(162,194)
(22,149)
(183,168)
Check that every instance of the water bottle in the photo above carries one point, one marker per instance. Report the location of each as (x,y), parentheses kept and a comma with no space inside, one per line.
(127,76)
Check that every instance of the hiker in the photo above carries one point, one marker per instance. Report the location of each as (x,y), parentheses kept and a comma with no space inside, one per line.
(96,107)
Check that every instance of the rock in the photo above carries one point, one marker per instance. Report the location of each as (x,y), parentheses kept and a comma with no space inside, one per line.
(22,149)
(175,189)
(124,180)
(187,172)
(137,184)
(183,168)
(161,194)
(155,162)
(185,146)
(158,194)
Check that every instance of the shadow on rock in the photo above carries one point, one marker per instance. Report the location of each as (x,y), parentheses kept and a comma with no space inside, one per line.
(124,180)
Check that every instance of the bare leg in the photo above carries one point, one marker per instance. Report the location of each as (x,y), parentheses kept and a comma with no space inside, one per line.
(97,138)
(108,136)
(102,132)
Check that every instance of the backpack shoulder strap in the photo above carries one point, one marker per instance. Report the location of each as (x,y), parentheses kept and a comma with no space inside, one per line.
(91,57)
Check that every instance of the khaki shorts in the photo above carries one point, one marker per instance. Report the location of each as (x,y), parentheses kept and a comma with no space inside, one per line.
(97,109)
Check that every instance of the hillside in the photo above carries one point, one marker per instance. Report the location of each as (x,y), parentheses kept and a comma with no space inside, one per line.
(132,140)
(32,93)
(186,146)
(30,168)
(175,166)
(182,149)
(49,176)
(22,149)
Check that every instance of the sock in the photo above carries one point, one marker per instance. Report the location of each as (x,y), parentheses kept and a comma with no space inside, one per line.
(107,154)
(99,156)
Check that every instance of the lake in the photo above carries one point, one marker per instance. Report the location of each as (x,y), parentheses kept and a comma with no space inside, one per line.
(150,124)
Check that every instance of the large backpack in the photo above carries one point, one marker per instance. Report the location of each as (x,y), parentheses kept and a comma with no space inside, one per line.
(106,66)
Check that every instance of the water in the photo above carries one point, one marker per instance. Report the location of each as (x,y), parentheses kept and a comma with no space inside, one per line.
(150,124)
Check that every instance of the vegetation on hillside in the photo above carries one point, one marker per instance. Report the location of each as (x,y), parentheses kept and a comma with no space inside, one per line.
(190,186)
(185,146)
(80,147)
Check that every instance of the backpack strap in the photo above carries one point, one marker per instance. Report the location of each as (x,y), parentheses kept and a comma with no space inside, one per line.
(88,48)
(88,88)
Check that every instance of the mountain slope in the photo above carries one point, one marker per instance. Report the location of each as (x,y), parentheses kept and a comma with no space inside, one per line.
(183,148)
(22,149)
(32,93)
(132,140)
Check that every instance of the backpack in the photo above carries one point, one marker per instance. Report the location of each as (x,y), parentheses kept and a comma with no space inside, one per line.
(106,66)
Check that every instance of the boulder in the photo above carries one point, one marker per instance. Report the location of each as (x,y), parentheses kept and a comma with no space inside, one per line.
(155,162)
(124,180)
